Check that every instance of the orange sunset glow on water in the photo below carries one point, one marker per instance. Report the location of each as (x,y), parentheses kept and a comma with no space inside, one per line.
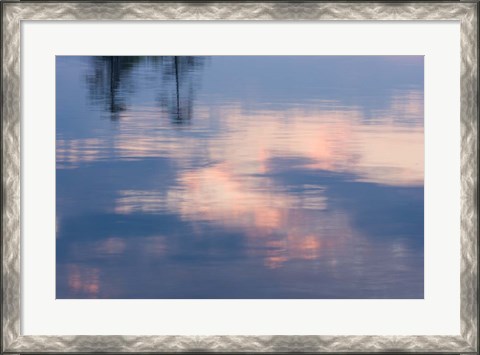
(240,177)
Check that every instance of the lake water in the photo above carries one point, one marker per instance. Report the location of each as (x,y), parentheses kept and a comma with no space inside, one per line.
(240,177)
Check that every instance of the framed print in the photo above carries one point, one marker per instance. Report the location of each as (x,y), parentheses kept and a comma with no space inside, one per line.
(239,177)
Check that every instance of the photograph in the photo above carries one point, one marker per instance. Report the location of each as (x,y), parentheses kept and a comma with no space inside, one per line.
(239,177)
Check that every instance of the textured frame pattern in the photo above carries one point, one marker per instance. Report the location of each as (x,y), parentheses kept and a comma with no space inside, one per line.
(15,12)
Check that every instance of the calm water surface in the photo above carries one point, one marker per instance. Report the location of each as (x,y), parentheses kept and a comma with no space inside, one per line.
(239,177)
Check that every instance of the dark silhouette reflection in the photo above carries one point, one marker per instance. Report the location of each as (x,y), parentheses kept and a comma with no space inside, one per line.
(113,80)
(109,83)
(180,82)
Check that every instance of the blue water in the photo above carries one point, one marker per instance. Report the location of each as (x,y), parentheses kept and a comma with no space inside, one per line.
(239,177)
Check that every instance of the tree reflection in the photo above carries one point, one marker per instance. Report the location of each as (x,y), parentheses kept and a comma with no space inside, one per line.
(113,80)
(109,83)
(180,81)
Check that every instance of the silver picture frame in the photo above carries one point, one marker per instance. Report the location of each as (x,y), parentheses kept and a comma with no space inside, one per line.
(13,12)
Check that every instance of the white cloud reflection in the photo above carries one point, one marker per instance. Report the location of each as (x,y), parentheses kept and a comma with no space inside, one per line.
(340,139)
(223,173)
